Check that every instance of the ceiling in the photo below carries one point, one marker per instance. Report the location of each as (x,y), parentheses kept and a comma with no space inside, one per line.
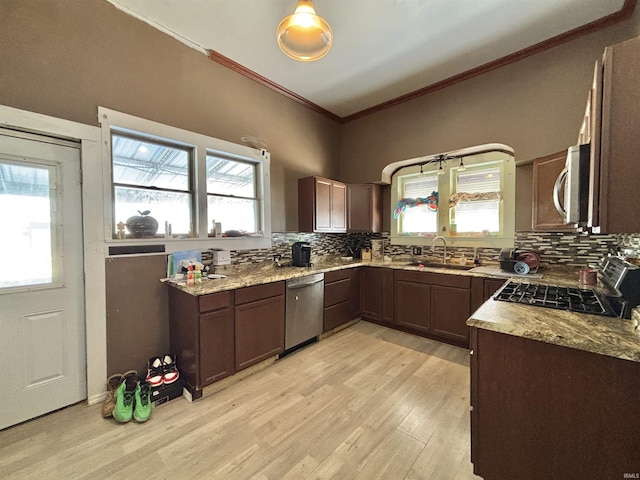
(383,49)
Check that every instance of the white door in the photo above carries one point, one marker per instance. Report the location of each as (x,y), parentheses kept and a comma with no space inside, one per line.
(42,341)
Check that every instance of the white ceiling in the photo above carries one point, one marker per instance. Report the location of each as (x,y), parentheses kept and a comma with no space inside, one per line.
(382,48)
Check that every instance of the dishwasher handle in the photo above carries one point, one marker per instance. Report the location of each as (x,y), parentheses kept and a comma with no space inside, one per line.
(295,286)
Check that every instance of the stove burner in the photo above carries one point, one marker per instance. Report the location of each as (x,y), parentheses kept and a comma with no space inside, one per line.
(550,296)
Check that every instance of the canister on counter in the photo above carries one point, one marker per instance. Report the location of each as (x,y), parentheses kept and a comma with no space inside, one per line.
(588,276)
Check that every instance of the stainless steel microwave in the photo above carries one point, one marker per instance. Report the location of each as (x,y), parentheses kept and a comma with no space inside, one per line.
(571,190)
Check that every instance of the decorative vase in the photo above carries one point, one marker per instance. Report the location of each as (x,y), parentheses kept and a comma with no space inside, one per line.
(140,226)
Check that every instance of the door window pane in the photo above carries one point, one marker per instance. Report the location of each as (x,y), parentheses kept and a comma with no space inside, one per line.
(27,209)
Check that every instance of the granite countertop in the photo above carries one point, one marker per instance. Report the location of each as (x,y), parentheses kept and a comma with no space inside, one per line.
(592,333)
(238,276)
(614,337)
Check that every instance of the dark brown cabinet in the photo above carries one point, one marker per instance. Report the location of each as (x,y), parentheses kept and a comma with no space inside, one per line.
(491,286)
(545,411)
(364,208)
(545,172)
(337,299)
(377,295)
(322,205)
(259,323)
(202,337)
(434,304)
(615,143)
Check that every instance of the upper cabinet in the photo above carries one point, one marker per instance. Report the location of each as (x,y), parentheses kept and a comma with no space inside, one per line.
(322,205)
(615,142)
(545,173)
(364,208)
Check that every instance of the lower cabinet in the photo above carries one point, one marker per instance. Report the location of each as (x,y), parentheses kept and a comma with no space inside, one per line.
(543,411)
(216,335)
(201,330)
(377,295)
(259,323)
(337,299)
(434,303)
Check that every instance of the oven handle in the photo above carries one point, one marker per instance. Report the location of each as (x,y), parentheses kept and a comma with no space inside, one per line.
(556,193)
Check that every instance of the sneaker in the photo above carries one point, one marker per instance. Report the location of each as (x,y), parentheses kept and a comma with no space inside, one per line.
(113,382)
(170,371)
(125,395)
(155,372)
(142,409)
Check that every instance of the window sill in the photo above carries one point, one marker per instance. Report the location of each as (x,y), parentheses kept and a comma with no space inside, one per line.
(177,244)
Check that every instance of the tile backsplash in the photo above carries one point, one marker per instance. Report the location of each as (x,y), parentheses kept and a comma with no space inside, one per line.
(572,249)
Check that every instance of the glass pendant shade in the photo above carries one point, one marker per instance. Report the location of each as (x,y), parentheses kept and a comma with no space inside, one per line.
(303,35)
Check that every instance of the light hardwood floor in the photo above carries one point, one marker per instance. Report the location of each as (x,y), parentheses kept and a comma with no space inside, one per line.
(367,403)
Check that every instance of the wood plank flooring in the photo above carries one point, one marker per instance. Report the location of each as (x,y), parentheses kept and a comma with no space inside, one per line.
(367,403)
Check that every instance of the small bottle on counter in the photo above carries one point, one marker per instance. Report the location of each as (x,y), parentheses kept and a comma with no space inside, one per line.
(197,275)
(191,279)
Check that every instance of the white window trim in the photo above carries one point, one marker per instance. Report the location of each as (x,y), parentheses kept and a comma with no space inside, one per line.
(117,121)
(508,212)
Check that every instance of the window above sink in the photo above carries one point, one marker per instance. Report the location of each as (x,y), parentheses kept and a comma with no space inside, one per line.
(467,198)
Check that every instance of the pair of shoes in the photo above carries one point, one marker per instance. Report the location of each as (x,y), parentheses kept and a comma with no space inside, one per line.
(113,382)
(162,370)
(133,400)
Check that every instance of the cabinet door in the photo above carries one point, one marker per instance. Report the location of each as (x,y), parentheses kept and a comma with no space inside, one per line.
(491,286)
(619,140)
(450,308)
(412,305)
(216,346)
(259,331)
(338,207)
(545,173)
(323,211)
(364,208)
(371,288)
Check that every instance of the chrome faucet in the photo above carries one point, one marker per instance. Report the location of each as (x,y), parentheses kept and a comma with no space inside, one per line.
(444,243)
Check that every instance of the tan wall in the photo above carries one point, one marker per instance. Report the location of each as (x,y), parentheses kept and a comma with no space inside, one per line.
(535,106)
(65,57)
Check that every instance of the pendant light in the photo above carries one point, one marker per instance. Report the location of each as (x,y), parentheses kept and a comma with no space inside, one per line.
(303,35)
(461,167)
(440,169)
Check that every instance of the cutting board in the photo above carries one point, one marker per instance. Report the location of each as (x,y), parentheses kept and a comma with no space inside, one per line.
(495,271)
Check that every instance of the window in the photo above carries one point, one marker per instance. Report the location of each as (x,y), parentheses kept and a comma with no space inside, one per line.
(419,219)
(475,200)
(174,185)
(153,177)
(473,206)
(232,194)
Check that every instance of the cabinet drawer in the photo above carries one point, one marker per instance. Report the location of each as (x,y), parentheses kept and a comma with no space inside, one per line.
(336,315)
(337,275)
(337,292)
(431,278)
(251,294)
(215,301)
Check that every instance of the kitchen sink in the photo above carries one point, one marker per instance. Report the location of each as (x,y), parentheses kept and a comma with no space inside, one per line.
(454,266)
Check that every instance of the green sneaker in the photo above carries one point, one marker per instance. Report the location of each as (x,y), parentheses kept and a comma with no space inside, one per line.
(142,410)
(123,411)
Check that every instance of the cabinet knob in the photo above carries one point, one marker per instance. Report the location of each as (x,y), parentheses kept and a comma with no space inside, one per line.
(471,352)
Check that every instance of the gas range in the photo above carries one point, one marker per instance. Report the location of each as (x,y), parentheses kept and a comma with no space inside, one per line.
(621,280)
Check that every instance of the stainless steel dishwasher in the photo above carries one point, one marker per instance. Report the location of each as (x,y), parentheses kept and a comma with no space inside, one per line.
(305,307)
